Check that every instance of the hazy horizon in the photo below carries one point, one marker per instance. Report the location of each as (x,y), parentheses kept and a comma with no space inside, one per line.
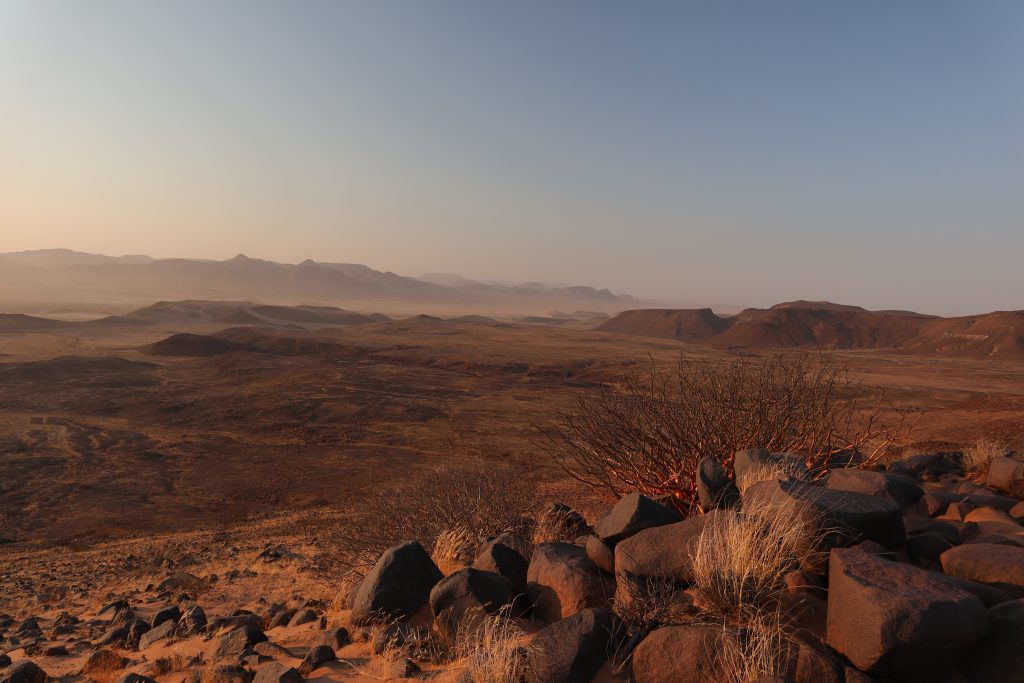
(720,153)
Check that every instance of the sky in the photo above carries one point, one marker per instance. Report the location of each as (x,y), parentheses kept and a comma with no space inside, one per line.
(710,152)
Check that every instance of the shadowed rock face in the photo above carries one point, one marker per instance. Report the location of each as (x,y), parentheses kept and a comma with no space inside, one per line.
(397,587)
(849,517)
(890,618)
(562,580)
(574,649)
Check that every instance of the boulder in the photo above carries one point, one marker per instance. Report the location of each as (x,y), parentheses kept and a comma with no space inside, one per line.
(1006,475)
(633,513)
(996,565)
(192,622)
(135,629)
(937,502)
(505,560)
(317,656)
(227,673)
(334,638)
(25,671)
(234,644)
(924,549)
(169,613)
(664,552)
(901,490)
(849,517)
(280,618)
(999,658)
(397,587)
(154,635)
(929,466)
(896,620)
(562,580)
(680,654)
(395,635)
(574,649)
(133,677)
(302,616)
(600,554)
(714,487)
(275,672)
(1017,512)
(461,601)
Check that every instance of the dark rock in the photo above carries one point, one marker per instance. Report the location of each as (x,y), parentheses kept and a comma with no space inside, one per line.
(461,601)
(574,649)
(227,673)
(505,560)
(893,619)
(55,651)
(633,513)
(303,616)
(572,523)
(600,554)
(396,635)
(113,607)
(1001,566)
(663,553)
(5,661)
(281,618)
(398,585)
(132,677)
(272,650)
(929,466)
(714,488)
(674,654)
(334,638)
(28,625)
(1007,475)
(901,490)
(999,658)
(171,613)
(562,580)
(113,636)
(161,632)
(193,621)
(233,622)
(317,656)
(275,672)
(848,517)
(135,629)
(924,549)
(25,671)
(233,644)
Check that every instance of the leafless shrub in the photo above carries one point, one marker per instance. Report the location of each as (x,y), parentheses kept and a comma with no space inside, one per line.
(741,558)
(979,455)
(649,433)
(474,499)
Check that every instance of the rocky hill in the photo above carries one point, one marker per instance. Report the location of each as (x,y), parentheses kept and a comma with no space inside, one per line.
(816,325)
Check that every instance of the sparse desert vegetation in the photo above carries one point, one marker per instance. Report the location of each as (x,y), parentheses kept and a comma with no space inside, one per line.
(527,570)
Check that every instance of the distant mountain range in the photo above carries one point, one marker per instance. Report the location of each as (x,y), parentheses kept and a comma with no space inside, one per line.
(822,324)
(60,276)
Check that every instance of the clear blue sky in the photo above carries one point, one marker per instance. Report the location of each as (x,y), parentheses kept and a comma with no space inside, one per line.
(719,152)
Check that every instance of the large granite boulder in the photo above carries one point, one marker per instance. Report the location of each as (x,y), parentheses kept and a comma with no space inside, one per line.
(397,587)
(892,619)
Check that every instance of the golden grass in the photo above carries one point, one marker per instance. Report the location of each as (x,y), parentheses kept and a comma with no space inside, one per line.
(493,653)
(979,455)
(553,526)
(452,548)
(741,559)
(763,648)
(767,471)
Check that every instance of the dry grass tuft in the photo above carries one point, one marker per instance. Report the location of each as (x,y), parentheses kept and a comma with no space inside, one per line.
(452,549)
(493,653)
(741,558)
(764,472)
(979,455)
(658,601)
(763,649)
(554,525)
